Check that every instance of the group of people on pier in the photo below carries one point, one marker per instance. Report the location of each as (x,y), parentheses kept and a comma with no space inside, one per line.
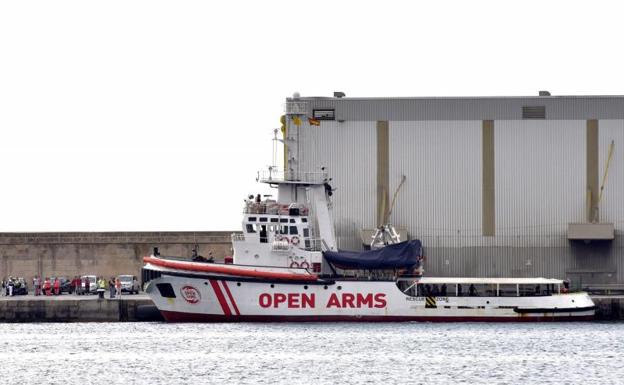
(50,286)
(14,286)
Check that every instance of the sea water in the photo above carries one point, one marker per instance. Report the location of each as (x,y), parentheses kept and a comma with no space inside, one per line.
(312,353)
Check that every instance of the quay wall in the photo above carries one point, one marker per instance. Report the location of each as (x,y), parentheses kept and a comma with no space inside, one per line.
(77,310)
(99,253)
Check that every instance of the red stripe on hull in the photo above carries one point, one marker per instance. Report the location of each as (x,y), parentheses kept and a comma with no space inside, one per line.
(229,294)
(171,316)
(220,298)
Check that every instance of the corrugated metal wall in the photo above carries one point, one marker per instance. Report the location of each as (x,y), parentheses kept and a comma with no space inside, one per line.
(612,205)
(540,177)
(540,186)
(441,160)
(348,151)
(469,108)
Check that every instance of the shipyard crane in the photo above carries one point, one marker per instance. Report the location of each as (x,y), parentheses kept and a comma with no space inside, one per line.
(386,234)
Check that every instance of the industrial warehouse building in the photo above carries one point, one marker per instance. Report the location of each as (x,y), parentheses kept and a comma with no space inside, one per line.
(494,186)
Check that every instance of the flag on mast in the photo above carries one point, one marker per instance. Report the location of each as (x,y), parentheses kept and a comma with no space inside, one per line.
(314,122)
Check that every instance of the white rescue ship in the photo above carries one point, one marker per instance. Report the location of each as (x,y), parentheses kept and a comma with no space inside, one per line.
(286,267)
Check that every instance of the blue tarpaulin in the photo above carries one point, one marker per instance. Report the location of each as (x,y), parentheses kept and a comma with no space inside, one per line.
(404,255)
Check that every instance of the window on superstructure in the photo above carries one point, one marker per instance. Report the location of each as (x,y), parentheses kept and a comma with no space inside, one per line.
(262,219)
(263,234)
(529,290)
(304,220)
(283,220)
(306,232)
(284,230)
(292,220)
(480,290)
(293,230)
(273,219)
(507,290)
(252,219)
(250,228)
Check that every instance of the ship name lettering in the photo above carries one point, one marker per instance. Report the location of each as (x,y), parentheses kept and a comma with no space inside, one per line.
(348,300)
(290,300)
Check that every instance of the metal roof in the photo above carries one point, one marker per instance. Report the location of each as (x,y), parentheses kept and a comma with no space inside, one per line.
(571,107)
(489,281)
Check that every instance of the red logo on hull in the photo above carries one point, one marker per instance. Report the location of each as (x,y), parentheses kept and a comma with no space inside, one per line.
(190,294)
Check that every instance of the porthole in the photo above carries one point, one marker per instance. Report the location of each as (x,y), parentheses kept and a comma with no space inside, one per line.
(205,283)
(339,288)
(487,302)
(325,287)
(272,286)
(305,287)
(238,283)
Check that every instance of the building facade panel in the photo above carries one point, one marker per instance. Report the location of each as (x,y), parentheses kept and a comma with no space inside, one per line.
(468,108)
(540,177)
(540,180)
(441,160)
(347,151)
(612,203)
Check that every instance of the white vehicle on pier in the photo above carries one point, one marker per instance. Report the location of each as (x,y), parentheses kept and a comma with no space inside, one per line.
(286,267)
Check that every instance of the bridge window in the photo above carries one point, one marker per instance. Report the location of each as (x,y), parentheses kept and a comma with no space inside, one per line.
(293,230)
(283,220)
(273,219)
(263,219)
(250,228)
(252,219)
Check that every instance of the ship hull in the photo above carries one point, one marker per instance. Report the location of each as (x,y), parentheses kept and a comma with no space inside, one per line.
(171,316)
(209,298)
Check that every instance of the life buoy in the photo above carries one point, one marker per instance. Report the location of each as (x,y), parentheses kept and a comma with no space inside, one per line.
(305,265)
(282,238)
(294,265)
(294,240)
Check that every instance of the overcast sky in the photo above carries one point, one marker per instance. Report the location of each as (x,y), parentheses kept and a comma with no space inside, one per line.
(156,115)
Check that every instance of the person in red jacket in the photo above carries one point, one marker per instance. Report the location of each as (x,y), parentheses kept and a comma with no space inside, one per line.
(72,285)
(46,286)
(57,286)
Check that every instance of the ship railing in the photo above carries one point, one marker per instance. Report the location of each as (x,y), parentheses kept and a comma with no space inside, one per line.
(296,108)
(312,244)
(274,175)
(238,237)
(601,289)
(273,208)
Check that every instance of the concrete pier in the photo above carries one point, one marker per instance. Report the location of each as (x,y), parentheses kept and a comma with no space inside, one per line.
(73,308)
(609,307)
